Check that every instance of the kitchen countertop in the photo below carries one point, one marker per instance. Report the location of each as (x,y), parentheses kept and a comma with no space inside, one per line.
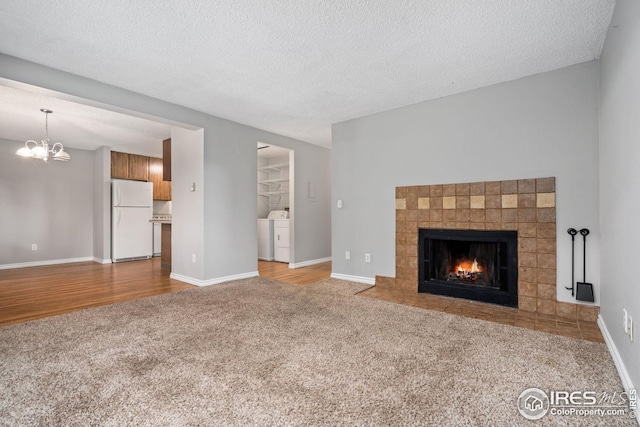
(159,218)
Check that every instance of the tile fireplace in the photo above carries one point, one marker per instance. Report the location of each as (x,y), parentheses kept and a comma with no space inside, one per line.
(526,208)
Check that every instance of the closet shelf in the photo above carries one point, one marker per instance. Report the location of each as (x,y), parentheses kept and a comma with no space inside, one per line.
(275,168)
(272,193)
(273,181)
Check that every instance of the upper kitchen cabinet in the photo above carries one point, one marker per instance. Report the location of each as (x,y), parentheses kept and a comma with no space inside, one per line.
(166,159)
(138,167)
(129,166)
(119,165)
(141,168)
(161,188)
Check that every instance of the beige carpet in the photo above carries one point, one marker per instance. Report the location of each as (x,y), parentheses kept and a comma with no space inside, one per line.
(258,352)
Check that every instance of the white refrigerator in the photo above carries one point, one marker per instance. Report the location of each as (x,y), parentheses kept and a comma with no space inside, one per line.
(131,210)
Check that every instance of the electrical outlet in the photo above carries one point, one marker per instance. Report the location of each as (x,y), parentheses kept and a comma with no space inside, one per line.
(625,320)
(193,257)
(339,204)
(34,247)
(367,257)
(347,255)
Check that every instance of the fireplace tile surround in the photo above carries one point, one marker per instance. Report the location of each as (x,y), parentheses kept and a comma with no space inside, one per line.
(527,206)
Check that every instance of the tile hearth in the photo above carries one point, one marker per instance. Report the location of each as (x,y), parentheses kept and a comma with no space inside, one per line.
(581,329)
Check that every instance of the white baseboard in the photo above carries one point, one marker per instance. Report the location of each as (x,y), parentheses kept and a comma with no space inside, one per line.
(198,282)
(101,261)
(308,263)
(358,279)
(46,262)
(617,360)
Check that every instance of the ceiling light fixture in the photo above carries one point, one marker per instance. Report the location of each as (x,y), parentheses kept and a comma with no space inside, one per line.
(40,150)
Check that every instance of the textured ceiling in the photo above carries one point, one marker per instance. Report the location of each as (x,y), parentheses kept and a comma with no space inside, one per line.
(295,67)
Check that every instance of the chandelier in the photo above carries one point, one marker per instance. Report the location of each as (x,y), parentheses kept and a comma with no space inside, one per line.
(40,150)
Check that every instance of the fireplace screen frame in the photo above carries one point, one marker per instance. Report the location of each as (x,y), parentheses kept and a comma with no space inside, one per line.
(427,283)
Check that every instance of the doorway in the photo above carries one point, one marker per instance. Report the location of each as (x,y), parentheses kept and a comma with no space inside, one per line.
(275,211)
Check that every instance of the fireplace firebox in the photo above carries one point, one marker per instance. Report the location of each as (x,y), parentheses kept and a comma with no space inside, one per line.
(473,264)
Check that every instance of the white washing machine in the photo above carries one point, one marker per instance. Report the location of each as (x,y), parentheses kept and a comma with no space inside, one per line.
(266,233)
(281,240)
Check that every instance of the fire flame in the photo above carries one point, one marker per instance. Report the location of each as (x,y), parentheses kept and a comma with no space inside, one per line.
(468,267)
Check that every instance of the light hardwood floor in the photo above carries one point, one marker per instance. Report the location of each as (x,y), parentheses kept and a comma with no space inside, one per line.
(299,276)
(37,292)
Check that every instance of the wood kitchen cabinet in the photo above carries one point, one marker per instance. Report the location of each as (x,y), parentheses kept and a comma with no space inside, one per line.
(141,168)
(165,256)
(161,189)
(119,165)
(129,166)
(138,167)
(166,159)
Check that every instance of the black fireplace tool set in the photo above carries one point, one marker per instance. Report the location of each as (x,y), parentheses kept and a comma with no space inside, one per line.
(583,290)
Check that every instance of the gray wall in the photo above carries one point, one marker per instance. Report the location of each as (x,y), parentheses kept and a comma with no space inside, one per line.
(229,229)
(230,198)
(620,178)
(538,126)
(187,223)
(102,204)
(50,204)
